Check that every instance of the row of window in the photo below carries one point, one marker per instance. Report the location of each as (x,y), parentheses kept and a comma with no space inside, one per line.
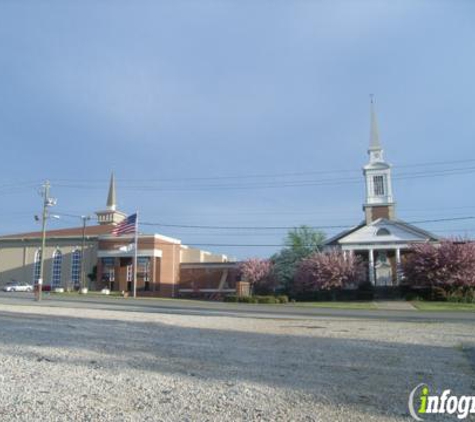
(57,269)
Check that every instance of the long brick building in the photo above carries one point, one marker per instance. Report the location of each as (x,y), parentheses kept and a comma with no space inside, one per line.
(165,266)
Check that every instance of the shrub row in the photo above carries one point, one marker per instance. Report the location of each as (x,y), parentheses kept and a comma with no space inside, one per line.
(440,294)
(257,299)
(365,291)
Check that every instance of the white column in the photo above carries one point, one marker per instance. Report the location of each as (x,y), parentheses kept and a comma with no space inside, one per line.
(371,266)
(398,265)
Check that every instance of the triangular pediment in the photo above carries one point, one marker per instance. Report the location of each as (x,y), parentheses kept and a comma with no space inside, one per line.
(384,231)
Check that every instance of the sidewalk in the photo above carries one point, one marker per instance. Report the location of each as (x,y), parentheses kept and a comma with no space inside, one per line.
(394,305)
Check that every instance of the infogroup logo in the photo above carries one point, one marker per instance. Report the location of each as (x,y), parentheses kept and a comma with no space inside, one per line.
(422,403)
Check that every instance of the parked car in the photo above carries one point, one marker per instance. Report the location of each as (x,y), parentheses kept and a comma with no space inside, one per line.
(16,286)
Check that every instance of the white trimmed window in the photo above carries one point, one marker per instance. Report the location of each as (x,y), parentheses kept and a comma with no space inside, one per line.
(130,272)
(76,267)
(143,268)
(378,182)
(57,268)
(108,269)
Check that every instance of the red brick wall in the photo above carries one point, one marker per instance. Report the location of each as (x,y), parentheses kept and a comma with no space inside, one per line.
(379,212)
(169,270)
(207,276)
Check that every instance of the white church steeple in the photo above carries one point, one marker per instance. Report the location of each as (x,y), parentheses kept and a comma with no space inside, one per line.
(111,215)
(379,201)
(111,197)
(375,149)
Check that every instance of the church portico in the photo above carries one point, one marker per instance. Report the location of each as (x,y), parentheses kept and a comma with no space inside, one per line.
(382,262)
(158,263)
(116,272)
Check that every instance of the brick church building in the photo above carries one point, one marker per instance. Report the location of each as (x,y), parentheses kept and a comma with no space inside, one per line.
(165,266)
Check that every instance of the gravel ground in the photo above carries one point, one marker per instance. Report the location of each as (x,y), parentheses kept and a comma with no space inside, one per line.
(61,364)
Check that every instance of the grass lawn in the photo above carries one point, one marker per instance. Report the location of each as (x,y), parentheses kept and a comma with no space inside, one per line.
(338,305)
(443,306)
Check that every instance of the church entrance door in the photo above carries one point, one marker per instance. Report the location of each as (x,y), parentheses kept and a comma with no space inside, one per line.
(383,270)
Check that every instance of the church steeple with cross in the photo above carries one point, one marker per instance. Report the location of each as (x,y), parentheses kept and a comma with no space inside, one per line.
(379,201)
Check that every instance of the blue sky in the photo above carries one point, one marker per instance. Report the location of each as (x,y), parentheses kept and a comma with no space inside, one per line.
(188,101)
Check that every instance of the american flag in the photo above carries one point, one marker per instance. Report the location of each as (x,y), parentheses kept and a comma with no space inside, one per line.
(129,225)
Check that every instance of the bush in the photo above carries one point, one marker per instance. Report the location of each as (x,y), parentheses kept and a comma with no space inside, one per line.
(257,299)
(266,299)
(451,264)
(438,294)
(462,295)
(258,272)
(456,296)
(410,296)
(328,271)
(365,291)
(248,299)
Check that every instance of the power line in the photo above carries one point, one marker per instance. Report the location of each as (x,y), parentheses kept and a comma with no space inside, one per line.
(271,175)
(14,188)
(276,185)
(185,226)
(442,220)
(206,227)
(148,184)
(455,230)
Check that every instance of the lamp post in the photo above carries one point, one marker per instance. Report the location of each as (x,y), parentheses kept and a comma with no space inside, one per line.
(85,219)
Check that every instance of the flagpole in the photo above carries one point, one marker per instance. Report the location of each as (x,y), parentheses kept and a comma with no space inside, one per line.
(136,252)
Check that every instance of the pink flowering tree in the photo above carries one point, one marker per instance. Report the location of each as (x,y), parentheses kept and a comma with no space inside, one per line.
(451,264)
(258,272)
(329,270)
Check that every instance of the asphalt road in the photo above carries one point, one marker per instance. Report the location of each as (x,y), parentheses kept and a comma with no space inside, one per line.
(205,308)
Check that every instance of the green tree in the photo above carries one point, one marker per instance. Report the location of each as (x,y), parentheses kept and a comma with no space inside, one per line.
(299,244)
(305,240)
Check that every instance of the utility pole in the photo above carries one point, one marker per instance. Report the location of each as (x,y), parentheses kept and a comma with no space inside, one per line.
(47,202)
(136,252)
(46,187)
(84,218)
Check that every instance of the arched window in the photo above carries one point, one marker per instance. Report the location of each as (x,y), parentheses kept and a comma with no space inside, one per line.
(76,267)
(383,232)
(37,266)
(57,266)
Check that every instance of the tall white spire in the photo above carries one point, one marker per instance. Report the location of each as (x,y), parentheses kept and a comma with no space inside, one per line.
(110,215)
(379,201)
(375,150)
(374,143)
(111,197)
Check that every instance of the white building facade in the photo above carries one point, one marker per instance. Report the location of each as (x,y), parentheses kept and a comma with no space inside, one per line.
(381,239)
